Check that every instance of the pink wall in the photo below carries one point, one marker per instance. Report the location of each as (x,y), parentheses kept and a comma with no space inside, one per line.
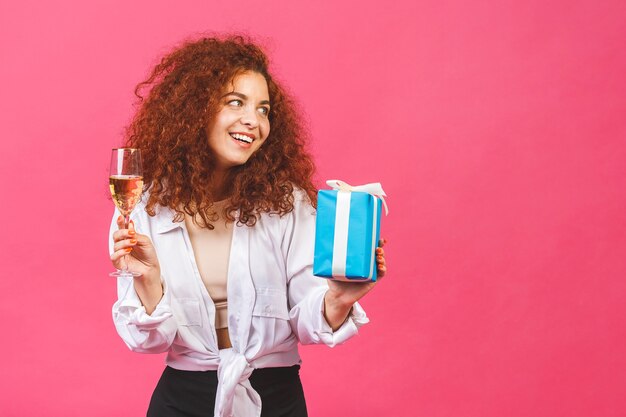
(497,129)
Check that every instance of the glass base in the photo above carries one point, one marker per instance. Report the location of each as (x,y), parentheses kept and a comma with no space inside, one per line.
(120,273)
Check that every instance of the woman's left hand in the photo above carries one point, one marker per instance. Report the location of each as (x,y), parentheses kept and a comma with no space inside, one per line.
(342,295)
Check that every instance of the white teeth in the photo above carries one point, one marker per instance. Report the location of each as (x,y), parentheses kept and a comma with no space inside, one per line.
(242,138)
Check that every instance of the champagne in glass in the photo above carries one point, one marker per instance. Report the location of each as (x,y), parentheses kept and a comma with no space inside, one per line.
(126,184)
(126,191)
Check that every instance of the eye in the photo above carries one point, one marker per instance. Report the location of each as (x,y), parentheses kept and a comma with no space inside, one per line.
(236,102)
(264,110)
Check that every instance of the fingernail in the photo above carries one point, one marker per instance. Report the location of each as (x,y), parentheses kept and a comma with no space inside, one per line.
(128,249)
(131,232)
(133,241)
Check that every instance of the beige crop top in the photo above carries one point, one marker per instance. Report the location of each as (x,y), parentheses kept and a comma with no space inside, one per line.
(211,250)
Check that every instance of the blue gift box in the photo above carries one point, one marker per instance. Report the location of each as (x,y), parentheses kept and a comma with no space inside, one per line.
(347,233)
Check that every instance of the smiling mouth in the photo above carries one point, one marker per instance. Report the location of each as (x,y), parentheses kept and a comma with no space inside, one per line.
(241,138)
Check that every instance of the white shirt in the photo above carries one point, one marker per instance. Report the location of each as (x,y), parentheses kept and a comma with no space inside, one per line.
(274,302)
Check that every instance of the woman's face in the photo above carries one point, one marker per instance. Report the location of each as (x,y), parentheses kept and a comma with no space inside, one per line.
(241,124)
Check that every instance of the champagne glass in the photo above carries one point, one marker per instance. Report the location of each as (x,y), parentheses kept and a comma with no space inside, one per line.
(126,184)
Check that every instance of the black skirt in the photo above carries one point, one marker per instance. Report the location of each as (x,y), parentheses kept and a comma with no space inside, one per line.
(192,393)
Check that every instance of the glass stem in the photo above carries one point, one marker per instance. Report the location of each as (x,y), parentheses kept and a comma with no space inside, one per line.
(126,225)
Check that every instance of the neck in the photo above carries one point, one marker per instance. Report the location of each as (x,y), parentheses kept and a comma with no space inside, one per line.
(220,185)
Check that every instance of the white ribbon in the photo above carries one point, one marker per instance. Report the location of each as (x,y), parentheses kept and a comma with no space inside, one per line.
(374,189)
(340,244)
(235,396)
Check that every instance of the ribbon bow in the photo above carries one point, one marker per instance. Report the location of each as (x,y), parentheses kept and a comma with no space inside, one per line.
(374,189)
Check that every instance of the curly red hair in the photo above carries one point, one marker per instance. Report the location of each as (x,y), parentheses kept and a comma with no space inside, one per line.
(179,99)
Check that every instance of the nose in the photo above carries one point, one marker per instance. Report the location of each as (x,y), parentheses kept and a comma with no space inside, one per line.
(250,118)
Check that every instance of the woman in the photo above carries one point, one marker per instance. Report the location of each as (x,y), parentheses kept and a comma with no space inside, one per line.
(223,239)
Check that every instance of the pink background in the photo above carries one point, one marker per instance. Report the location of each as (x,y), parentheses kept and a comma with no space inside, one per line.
(497,129)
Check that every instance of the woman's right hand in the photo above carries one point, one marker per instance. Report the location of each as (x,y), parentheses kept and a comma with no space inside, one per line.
(142,257)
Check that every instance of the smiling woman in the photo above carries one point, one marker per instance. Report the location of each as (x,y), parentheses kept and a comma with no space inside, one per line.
(222,240)
(190,93)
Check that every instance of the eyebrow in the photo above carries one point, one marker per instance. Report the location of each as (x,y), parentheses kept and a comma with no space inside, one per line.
(243,96)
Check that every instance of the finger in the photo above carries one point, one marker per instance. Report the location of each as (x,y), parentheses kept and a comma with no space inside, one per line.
(118,255)
(123,234)
(380,259)
(121,224)
(382,271)
(380,251)
(382,242)
(124,244)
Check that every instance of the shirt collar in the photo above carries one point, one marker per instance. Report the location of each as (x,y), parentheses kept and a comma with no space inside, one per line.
(164,220)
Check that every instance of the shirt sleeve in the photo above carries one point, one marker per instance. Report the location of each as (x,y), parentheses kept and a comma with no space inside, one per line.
(306,291)
(140,331)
